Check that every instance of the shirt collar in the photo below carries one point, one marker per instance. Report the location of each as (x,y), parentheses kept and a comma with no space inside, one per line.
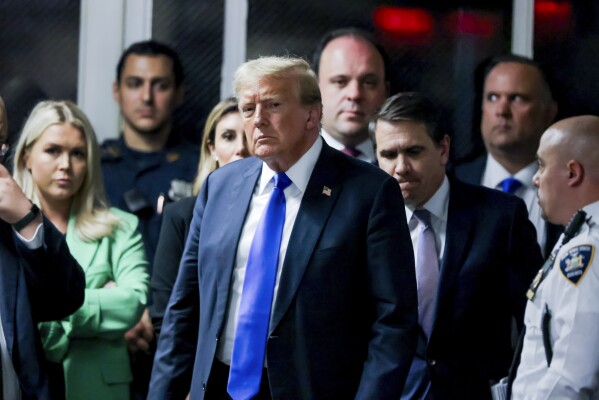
(495,173)
(437,204)
(365,147)
(299,173)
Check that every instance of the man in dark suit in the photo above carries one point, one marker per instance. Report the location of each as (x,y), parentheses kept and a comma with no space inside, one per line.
(39,281)
(484,256)
(341,322)
(517,107)
(353,73)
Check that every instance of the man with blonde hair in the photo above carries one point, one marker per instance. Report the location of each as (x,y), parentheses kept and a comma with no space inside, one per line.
(307,286)
(560,356)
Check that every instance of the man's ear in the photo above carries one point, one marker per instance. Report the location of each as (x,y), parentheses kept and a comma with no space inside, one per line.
(314,116)
(116,94)
(575,173)
(445,147)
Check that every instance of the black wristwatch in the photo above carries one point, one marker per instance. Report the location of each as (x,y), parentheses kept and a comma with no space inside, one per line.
(30,216)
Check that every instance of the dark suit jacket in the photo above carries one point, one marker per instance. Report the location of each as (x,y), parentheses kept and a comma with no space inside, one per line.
(344,321)
(491,256)
(472,172)
(35,285)
(176,220)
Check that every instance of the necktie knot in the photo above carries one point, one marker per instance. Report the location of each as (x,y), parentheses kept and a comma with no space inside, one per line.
(351,151)
(423,216)
(510,185)
(282,181)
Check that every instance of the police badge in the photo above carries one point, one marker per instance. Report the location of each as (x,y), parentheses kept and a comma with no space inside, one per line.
(575,262)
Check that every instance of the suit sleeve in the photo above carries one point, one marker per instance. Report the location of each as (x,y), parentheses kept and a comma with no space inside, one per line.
(55,281)
(169,250)
(174,360)
(392,285)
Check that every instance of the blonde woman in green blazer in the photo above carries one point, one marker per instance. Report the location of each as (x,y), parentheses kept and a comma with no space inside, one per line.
(57,165)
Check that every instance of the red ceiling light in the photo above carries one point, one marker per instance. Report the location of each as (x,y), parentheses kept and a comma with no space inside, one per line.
(549,8)
(553,20)
(472,23)
(403,21)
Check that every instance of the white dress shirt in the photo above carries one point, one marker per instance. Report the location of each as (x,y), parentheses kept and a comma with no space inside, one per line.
(299,174)
(10,380)
(495,173)
(437,205)
(366,147)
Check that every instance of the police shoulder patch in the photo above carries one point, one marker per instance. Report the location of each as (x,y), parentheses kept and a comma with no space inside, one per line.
(575,263)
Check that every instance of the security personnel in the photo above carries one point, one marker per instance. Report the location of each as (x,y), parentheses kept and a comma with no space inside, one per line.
(560,356)
(143,182)
(144,168)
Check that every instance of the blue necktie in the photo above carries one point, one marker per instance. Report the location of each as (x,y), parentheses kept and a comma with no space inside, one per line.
(510,185)
(427,271)
(249,344)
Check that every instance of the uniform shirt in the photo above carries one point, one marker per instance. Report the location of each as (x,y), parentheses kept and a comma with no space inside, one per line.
(571,293)
(366,147)
(156,177)
(299,174)
(495,173)
(10,380)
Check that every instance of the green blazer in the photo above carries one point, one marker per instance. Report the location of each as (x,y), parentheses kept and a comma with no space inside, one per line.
(90,343)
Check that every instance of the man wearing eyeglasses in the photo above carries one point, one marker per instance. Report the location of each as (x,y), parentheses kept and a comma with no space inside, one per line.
(39,281)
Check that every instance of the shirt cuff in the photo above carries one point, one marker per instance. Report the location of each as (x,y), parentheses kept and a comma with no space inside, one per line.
(36,241)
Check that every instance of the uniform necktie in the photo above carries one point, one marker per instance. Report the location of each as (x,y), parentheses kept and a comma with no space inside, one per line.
(427,271)
(256,299)
(510,185)
(351,151)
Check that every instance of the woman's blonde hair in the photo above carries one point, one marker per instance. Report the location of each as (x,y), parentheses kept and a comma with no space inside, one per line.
(93,219)
(207,162)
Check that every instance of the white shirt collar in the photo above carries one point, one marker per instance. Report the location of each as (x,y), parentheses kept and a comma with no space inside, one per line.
(299,173)
(495,173)
(437,204)
(365,147)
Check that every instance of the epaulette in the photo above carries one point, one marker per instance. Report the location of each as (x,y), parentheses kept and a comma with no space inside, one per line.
(110,151)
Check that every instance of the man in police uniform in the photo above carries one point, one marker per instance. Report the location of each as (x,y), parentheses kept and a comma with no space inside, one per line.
(560,357)
(145,166)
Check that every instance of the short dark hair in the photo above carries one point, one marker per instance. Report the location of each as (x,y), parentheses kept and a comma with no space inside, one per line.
(409,106)
(351,32)
(152,48)
(492,62)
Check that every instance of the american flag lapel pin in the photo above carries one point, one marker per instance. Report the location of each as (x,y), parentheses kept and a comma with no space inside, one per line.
(326,191)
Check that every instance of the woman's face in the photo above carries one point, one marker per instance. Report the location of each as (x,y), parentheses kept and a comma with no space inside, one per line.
(58,163)
(229,140)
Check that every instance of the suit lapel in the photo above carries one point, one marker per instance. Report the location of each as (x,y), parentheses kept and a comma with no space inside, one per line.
(317,203)
(460,225)
(240,193)
(9,283)
(83,252)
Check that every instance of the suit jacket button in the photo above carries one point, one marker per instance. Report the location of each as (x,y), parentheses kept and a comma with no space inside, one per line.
(432,362)
(203,387)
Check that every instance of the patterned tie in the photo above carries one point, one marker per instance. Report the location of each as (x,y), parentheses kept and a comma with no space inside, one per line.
(256,298)
(427,271)
(510,185)
(351,151)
